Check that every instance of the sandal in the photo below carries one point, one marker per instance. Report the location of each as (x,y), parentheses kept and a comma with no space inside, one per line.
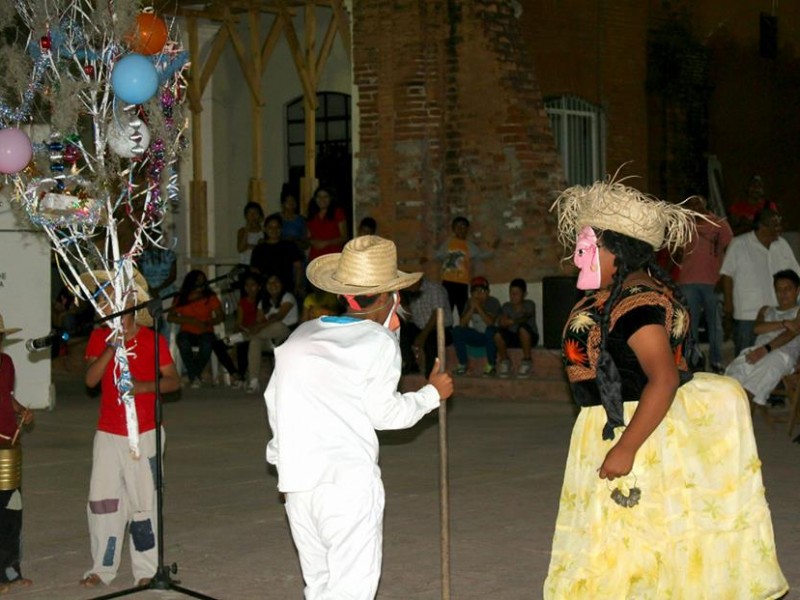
(90,581)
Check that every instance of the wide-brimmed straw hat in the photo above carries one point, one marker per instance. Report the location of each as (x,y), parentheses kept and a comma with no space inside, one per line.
(7,330)
(93,279)
(366,265)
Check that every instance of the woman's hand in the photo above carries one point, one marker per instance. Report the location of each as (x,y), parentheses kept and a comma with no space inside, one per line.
(618,463)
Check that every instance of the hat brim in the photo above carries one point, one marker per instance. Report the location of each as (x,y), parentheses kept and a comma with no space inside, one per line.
(10,330)
(322,270)
(91,279)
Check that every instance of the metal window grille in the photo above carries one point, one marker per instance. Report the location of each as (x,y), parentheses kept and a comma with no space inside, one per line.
(579,131)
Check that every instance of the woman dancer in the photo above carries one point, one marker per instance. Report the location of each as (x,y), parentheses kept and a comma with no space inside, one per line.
(662,494)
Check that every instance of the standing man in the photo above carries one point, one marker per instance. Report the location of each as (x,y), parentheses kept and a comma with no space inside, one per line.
(122,494)
(423,298)
(750,262)
(698,277)
(334,384)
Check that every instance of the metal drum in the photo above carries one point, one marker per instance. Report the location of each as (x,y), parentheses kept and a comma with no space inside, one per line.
(10,468)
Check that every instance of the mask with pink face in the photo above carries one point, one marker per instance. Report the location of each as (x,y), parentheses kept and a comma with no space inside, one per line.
(587,259)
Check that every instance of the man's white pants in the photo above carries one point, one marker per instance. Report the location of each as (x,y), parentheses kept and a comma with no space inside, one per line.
(760,378)
(338,531)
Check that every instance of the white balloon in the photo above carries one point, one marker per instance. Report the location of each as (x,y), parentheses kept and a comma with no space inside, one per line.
(128,139)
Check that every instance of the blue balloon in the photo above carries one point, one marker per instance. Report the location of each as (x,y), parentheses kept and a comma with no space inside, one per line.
(134,79)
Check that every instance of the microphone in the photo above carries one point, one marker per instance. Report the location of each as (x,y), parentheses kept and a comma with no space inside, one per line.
(51,338)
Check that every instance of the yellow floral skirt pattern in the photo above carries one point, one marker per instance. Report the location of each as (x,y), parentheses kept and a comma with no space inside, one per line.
(702,529)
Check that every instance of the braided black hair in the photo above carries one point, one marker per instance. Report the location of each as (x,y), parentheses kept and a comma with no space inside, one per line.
(630,255)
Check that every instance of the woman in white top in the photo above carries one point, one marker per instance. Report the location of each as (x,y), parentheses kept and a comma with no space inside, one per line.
(275,319)
(253,231)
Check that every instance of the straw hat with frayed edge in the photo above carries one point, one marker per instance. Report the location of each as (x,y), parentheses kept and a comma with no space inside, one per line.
(9,330)
(91,279)
(366,265)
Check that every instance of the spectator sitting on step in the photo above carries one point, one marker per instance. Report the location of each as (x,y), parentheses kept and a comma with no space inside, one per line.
(480,314)
(418,333)
(777,349)
(279,315)
(274,256)
(252,233)
(197,310)
(293,224)
(247,313)
(516,328)
(327,224)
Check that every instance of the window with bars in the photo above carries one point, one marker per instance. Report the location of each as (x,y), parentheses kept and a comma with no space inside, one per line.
(332,122)
(579,131)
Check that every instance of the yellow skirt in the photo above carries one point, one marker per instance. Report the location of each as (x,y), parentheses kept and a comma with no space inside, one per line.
(701,530)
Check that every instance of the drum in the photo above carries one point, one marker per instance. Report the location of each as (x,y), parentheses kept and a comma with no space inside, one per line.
(10,467)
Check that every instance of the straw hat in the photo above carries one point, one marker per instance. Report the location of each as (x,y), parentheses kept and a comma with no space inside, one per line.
(92,279)
(366,265)
(9,330)
(611,205)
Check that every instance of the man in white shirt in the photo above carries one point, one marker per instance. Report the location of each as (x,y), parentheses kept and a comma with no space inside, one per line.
(334,384)
(746,274)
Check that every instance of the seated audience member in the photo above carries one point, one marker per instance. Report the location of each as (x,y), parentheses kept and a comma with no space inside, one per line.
(368,226)
(274,256)
(319,303)
(480,314)
(760,368)
(247,312)
(418,333)
(293,224)
(746,274)
(252,233)
(275,321)
(516,328)
(197,310)
(742,214)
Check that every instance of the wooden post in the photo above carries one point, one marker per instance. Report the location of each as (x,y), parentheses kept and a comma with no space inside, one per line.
(198,215)
(309,101)
(444,477)
(256,192)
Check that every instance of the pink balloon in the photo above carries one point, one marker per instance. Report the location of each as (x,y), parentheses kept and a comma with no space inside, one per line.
(16,150)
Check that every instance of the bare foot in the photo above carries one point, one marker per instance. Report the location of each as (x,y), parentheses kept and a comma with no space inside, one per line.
(144,581)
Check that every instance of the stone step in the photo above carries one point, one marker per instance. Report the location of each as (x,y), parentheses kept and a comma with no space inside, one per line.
(546,383)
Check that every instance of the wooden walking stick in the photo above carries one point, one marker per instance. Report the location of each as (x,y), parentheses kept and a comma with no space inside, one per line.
(444,494)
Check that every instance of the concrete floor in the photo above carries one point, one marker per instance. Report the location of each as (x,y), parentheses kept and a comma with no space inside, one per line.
(225,526)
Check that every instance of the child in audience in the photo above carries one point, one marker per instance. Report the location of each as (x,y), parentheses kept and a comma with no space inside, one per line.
(457,255)
(368,226)
(253,231)
(319,303)
(246,318)
(516,328)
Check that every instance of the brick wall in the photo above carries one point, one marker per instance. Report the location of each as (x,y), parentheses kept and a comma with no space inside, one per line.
(452,123)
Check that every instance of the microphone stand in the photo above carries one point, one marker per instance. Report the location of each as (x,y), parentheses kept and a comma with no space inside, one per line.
(161,580)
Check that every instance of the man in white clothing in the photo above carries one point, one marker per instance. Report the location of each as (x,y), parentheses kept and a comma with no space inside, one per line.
(334,384)
(777,347)
(746,274)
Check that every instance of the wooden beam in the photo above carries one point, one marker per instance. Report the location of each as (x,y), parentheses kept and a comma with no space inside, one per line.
(270,41)
(309,87)
(247,67)
(310,101)
(253,18)
(327,45)
(343,23)
(193,87)
(217,46)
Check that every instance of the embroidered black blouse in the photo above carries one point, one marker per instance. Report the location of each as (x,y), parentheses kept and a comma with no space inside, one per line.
(639,304)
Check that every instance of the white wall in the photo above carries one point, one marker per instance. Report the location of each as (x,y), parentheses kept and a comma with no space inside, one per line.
(25,303)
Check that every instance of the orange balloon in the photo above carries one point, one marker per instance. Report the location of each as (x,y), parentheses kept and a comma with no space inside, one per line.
(150,35)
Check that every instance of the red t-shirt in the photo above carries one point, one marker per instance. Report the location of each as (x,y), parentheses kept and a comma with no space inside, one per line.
(325,229)
(141,350)
(8,418)
(249,311)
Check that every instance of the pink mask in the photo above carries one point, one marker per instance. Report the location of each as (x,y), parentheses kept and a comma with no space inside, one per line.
(587,259)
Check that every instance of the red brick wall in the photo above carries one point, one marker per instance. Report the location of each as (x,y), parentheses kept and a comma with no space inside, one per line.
(452,123)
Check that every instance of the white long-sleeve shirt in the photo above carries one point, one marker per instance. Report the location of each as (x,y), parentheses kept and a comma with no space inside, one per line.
(334,384)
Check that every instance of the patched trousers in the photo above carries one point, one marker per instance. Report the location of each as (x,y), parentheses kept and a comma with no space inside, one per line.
(338,531)
(122,495)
